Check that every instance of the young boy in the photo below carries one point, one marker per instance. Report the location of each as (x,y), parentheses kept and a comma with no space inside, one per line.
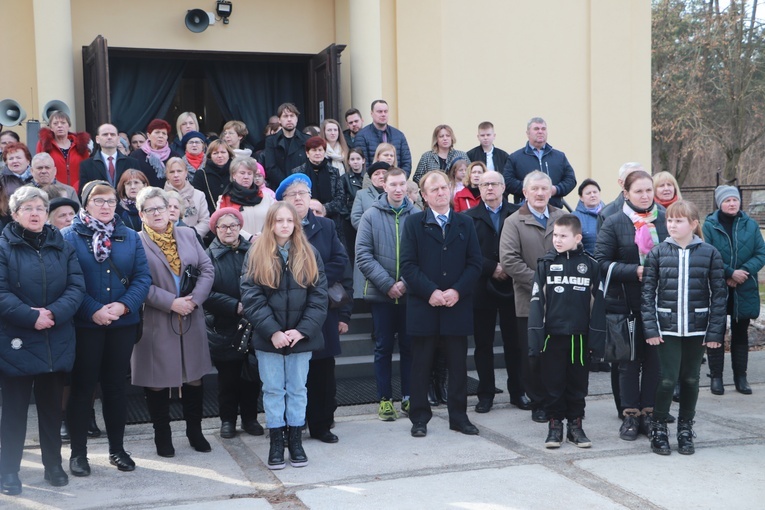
(565,284)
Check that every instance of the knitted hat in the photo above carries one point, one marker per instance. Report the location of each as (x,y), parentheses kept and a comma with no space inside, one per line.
(723,192)
(379,165)
(192,134)
(62,201)
(88,189)
(289,181)
(222,212)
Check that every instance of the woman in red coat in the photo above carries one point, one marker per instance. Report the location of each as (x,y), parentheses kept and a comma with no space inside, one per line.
(470,196)
(67,149)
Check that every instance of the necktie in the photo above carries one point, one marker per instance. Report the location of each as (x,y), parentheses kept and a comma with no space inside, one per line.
(442,219)
(112,171)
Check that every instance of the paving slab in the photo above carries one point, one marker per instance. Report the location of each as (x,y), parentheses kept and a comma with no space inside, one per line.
(232,504)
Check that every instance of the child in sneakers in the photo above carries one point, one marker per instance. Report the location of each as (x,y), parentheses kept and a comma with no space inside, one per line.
(565,284)
(683,308)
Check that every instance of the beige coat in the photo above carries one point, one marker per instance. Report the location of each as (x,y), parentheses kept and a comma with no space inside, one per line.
(522,243)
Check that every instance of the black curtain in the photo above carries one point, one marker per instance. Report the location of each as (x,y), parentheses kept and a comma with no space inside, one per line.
(142,90)
(252,91)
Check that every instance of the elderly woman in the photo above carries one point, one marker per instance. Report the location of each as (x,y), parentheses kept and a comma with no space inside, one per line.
(587,211)
(153,154)
(173,351)
(337,149)
(196,215)
(17,159)
(738,238)
(185,123)
(234,133)
(67,149)
(62,211)
(368,196)
(244,194)
(223,311)
(194,146)
(117,281)
(41,288)
(665,189)
(442,153)
(470,195)
(215,176)
(131,182)
(296,190)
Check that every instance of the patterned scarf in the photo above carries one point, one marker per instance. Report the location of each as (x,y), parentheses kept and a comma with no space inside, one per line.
(168,246)
(646,236)
(157,157)
(102,233)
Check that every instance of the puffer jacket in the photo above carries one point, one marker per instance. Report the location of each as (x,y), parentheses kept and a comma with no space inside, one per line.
(378,248)
(589,222)
(50,278)
(745,251)
(220,308)
(684,292)
(288,307)
(369,137)
(102,282)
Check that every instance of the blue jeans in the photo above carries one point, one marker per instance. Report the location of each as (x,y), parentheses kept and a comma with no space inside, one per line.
(389,319)
(284,391)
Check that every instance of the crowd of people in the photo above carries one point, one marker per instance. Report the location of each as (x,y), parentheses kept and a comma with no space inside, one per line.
(155,258)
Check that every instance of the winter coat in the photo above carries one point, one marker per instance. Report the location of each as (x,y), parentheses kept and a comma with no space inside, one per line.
(684,291)
(50,278)
(369,137)
(589,226)
(220,308)
(554,163)
(522,243)
(464,200)
(430,261)
(211,182)
(254,216)
(364,200)
(430,161)
(488,239)
(745,251)
(130,217)
(148,170)
(278,160)
(196,215)
(67,168)
(288,307)
(335,207)
(378,249)
(94,168)
(165,358)
(497,155)
(103,284)
(352,184)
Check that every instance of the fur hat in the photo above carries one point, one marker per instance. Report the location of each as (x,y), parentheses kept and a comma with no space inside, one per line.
(379,165)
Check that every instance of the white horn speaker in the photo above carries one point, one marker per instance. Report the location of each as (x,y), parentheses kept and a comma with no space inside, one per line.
(54,106)
(11,113)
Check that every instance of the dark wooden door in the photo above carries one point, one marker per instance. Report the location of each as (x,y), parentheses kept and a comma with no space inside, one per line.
(95,68)
(324,85)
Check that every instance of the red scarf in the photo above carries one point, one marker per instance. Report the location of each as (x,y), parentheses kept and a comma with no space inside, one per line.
(195,160)
(666,203)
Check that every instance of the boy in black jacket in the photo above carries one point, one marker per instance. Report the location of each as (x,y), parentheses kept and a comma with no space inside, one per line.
(565,284)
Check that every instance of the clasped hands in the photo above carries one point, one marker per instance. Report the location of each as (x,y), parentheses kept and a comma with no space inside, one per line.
(447,298)
(287,338)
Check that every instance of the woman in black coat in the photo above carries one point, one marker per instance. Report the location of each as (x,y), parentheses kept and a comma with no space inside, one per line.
(623,242)
(41,288)
(215,176)
(223,311)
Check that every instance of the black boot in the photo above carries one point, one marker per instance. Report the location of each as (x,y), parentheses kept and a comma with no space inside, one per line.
(433,399)
(298,457)
(660,439)
(685,435)
(716,386)
(554,433)
(158,403)
(742,385)
(276,453)
(64,432)
(191,398)
(93,430)
(576,434)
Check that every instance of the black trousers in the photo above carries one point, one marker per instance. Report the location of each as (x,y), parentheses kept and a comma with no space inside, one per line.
(530,371)
(322,389)
(17,392)
(484,325)
(423,352)
(565,374)
(102,355)
(235,394)
(739,350)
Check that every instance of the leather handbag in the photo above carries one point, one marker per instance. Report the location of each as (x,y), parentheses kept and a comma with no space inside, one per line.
(189,279)
(242,337)
(337,295)
(620,330)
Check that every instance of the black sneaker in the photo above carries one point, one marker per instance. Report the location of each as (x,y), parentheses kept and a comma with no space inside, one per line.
(576,434)
(554,434)
(539,415)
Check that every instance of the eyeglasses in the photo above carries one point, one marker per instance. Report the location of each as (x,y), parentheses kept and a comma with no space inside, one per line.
(490,184)
(231,228)
(155,210)
(301,194)
(194,142)
(30,210)
(100,202)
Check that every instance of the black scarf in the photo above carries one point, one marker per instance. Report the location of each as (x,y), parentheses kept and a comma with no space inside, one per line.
(33,239)
(474,191)
(726,222)
(321,183)
(246,197)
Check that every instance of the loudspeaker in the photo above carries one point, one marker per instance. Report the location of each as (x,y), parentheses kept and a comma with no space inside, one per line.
(11,113)
(54,106)
(197,20)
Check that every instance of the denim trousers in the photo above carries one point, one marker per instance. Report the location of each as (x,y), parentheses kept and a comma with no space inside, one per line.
(284,391)
(389,319)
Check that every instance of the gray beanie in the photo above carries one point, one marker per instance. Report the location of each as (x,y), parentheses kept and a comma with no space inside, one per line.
(723,192)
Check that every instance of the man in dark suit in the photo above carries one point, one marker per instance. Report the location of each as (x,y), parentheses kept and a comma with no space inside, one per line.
(285,150)
(440,262)
(494,293)
(493,157)
(107,163)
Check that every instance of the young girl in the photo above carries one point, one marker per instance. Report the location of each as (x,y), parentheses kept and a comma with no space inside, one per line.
(683,309)
(284,296)
(457,173)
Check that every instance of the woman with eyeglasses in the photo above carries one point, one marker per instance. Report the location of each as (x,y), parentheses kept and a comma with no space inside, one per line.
(245,194)
(173,351)
(131,182)
(117,281)
(238,380)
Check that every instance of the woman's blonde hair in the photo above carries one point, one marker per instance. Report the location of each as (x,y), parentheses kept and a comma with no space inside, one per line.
(685,209)
(480,164)
(437,131)
(264,263)
(386,147)
(664,177)
(452,173)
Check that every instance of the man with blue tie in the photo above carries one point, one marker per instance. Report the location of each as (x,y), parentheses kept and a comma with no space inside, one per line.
(440,262)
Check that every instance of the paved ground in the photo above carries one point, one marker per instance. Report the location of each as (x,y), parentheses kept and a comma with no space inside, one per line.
(378,465)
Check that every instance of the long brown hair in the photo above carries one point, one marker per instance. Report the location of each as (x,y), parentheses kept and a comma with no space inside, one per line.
(264,263)
(686,209)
